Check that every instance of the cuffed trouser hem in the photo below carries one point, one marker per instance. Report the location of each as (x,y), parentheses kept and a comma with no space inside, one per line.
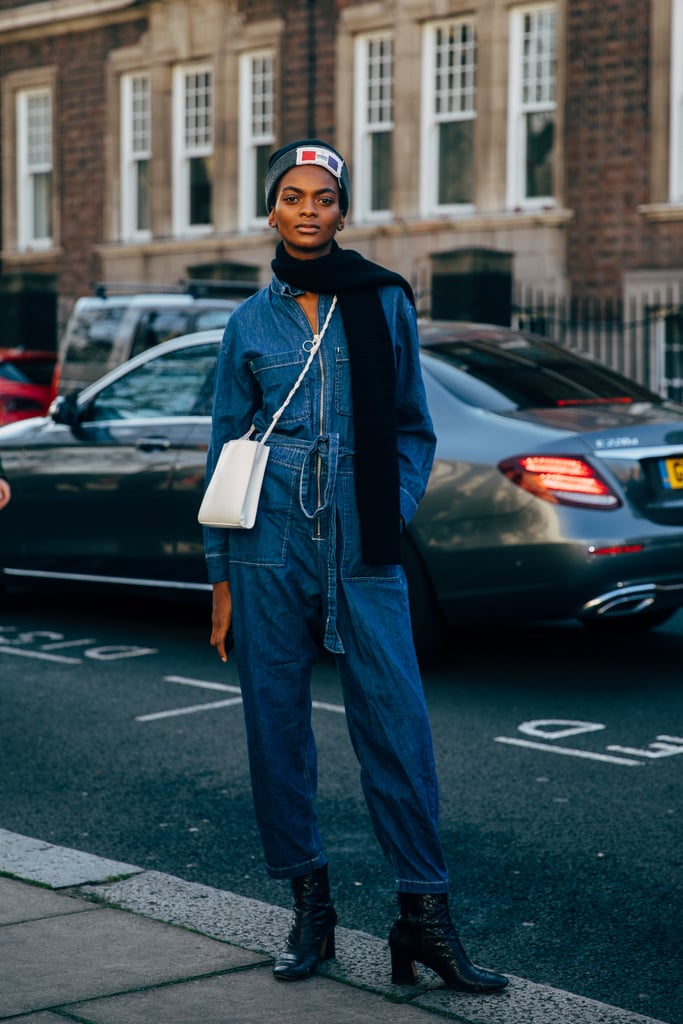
(297,870)
(421,888)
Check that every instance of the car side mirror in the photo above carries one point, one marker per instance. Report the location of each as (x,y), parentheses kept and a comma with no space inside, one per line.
(64,409)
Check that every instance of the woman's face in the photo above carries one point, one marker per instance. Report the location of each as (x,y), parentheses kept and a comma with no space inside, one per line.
(307,214)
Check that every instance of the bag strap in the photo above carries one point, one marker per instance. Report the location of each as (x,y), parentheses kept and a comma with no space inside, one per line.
(317,339)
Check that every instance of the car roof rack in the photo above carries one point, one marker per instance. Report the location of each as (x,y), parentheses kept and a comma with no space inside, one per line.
(197,287)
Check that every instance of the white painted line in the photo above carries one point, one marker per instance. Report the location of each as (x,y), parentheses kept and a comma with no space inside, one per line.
(211,706)
(338,708)
(41,657)
(68,643)
(204,684)
(569,751)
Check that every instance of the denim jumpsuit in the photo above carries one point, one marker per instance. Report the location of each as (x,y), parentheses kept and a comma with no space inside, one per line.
(300,570)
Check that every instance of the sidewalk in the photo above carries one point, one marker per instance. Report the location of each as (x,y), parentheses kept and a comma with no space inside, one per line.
(96,941)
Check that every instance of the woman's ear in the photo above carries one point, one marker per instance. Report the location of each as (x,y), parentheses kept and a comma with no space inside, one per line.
(341,222)
(272,220)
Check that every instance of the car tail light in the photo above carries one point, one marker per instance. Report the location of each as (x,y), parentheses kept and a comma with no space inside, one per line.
(564,480)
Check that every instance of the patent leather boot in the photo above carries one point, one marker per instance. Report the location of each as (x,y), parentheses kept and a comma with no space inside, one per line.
(311,937)
(423,931)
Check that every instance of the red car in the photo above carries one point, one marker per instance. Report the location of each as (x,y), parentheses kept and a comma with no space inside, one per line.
(27,383)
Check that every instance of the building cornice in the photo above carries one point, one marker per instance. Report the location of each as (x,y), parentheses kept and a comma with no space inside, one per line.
(54,12)
(661,211)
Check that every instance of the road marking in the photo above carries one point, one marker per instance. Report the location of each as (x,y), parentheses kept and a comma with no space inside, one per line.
(41,656)
(569,751)
(211,706)
(339,709)
(68,643)
(205,684)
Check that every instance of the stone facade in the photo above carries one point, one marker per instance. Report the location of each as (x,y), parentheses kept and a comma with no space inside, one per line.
(609,225)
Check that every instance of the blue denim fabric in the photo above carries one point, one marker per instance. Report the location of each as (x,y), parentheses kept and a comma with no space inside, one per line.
(301,565)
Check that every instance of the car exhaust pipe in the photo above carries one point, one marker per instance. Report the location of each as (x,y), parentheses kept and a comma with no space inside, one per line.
(620,603)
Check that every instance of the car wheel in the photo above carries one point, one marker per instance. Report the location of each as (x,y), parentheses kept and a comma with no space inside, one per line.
(427,621)
(624,624)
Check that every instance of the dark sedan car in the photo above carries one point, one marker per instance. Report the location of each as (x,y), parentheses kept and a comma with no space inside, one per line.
(557,489)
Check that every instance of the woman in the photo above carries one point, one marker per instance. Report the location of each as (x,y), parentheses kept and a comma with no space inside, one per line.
(349,462)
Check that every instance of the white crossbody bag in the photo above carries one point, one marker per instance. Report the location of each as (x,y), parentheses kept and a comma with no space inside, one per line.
(232,496)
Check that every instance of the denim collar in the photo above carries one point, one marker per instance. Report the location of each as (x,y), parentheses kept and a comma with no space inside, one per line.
(282,288)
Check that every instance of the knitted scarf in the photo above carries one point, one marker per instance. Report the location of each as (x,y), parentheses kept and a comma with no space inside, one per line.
(355,281)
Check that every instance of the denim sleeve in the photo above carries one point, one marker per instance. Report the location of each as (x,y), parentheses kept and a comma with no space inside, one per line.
(415,431)
(234,404)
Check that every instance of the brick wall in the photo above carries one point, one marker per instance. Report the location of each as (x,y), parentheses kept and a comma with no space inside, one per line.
(80,126)
(608,148)
(606,136)
(307,71)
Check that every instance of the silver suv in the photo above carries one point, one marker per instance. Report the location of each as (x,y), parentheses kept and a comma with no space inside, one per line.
(102,333)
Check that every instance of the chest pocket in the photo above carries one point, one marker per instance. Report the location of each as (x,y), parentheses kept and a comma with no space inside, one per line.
(342,383)
(276,375)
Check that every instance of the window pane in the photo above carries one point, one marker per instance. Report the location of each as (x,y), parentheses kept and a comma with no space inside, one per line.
(540,131)
(173,385)
(140,116)
(380,81)
(381,170)
(262,157)
(39,131)
(156,327)
(538,57)
(142,195)
(456,141)
(262,96)
(454,69)
(42,209)
(200,190)
(198,110)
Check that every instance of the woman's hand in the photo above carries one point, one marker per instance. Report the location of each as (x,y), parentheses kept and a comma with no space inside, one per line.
(5,493)
(221,617)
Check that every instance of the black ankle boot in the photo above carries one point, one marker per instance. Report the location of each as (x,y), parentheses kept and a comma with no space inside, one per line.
(424,931)
(311,937)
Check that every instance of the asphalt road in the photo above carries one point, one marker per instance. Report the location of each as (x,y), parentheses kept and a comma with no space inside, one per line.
(559,760)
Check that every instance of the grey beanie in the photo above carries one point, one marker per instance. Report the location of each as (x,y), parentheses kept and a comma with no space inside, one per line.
(307,151)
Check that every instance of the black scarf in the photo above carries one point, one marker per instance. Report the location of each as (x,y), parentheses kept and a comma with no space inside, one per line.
(355,281)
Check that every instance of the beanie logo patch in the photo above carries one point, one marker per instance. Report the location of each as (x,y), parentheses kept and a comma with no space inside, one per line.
(322,157)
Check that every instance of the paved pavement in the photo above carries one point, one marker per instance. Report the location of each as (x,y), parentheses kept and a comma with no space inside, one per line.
(96,941)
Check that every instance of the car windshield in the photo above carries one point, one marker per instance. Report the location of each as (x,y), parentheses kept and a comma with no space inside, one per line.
(91,333)
(523,374)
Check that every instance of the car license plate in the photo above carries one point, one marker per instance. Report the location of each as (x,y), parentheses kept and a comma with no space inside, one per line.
(672,472)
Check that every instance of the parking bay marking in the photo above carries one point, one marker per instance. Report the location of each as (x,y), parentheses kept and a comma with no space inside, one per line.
(206,684)
(20,644)
(560,728)
(569,751)
(41,655)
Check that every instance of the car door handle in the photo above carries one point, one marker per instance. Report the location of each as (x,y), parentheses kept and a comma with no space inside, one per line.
(153,444)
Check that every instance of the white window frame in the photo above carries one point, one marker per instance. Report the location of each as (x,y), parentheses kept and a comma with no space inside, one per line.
(136,148)
(676,105)
(369,123)
(519,107)
(256,130)
(456,96)
(30,165)
(185,151)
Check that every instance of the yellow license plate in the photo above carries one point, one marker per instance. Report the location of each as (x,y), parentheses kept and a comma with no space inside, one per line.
(672,472)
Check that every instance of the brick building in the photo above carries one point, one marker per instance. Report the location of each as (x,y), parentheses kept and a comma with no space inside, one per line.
(528,153)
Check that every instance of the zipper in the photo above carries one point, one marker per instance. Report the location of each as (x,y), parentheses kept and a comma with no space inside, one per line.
(321,417)
(321,423)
